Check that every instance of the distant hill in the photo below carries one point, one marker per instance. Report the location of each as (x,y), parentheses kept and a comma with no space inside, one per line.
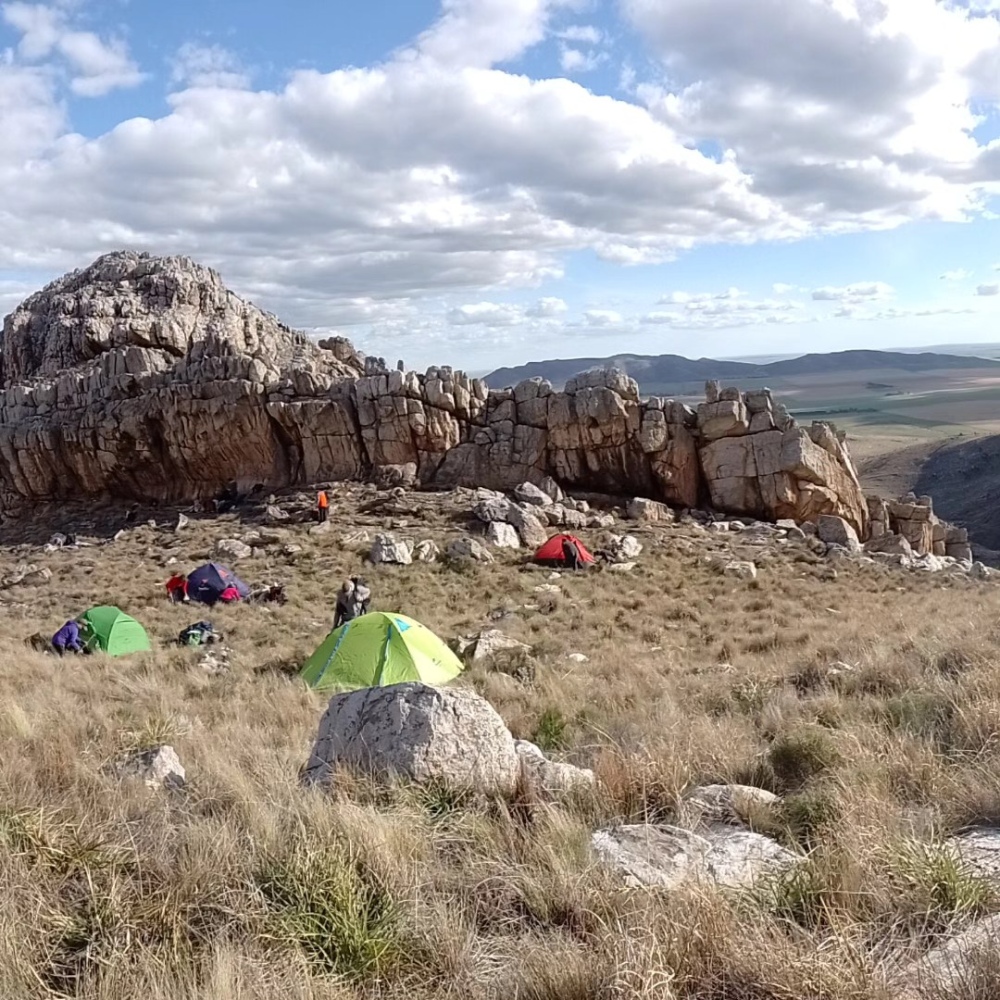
(656,372)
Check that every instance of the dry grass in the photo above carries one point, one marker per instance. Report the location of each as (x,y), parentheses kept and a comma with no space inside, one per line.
(244,885)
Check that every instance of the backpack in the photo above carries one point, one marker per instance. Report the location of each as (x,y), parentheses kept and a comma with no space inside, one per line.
(199,634)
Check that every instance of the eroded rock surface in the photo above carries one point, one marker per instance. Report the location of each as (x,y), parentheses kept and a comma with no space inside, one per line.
(145,377)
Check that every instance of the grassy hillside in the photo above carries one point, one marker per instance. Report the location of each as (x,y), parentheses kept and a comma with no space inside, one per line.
(245,885)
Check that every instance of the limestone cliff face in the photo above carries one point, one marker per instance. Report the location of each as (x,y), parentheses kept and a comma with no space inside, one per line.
(146,377)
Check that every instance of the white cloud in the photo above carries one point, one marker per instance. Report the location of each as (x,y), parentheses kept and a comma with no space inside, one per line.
(602,317)
(848,113)
(959,274)
(780,288)
(862,291)
(988,290)
(98,66)
(585,34)
(694,298)
(548,308)
(487,313)
(574,61)
(197,65)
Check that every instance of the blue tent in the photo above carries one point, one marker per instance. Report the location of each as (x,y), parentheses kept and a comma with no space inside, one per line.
(206,583)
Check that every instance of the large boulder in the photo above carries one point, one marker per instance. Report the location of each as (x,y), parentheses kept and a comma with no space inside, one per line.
(837,531)
(502,536)
(553,779)
(451,737)
(232,550)
(465,548)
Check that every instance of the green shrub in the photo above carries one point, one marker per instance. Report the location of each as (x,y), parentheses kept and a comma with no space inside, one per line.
(802,754)
(550,733)
(337,911)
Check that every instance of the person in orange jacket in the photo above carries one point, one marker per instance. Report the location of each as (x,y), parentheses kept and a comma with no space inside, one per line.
(322,505)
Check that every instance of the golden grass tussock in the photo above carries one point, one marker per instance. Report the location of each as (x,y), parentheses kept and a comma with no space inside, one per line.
(869,702)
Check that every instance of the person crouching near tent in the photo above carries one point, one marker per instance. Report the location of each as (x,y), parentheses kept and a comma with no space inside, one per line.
(177,589)
(68,638)
(353,600)
(571,555)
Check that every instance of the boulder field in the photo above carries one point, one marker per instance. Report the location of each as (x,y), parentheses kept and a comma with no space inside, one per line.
(144,377)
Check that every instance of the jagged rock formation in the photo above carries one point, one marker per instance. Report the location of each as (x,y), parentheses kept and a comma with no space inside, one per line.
(145,377)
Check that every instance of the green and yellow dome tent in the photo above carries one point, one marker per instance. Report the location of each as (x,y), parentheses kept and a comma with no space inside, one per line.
(379,649)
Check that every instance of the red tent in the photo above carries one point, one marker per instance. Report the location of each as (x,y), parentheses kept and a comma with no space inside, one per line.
(552,551)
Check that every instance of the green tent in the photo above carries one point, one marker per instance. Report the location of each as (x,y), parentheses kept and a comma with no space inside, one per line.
(113,631)
(380,649)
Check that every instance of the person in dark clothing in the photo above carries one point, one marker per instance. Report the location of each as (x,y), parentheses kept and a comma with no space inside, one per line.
(571,555)
(353,600)
(68,637)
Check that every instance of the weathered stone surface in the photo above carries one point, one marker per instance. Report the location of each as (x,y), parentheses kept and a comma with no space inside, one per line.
(736,805)
(426,551)
(157,767)
(530,494)
(416,732)
(386,549)
(232,550)
(741,570)
(890,543)
(668,856)
(27,574)
(623,548)
(503,536)
(553,779)
(490,642)
(640,509)
(468,548)
(836,531)
(144,377)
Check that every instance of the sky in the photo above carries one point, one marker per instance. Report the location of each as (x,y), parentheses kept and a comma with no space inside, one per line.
(487,182)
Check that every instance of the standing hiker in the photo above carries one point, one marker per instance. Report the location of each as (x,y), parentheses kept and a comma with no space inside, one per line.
(322,506)
(353,600)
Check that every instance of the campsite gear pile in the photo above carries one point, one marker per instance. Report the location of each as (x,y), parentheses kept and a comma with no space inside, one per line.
(199,634)
(380,649)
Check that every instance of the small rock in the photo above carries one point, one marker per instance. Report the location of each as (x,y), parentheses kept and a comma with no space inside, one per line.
(27,574)
(640,509)
(157,767)
(530,494)
(386,549)
(601,521)
(740,570)
(426,551)
(668,856)
(490,642)
(323,528)
(290,550)
(980,571)
(275,514)
(232,550)
(548,588)
(553,779)
(353,538)
(502,535)
(624,548)
(578,657)
(460,549)
(730,804)
(621,567)
(182,522)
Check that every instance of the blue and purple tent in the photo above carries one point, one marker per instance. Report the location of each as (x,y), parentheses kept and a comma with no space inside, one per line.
(206,583)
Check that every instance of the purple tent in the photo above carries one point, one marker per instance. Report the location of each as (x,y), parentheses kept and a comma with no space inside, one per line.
(206,583)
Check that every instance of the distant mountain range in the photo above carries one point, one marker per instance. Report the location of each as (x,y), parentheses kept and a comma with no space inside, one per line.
(657,373)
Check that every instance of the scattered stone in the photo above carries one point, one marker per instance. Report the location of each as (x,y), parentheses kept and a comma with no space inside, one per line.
(502,535)
(275,514)
(492,507)
(719,528)
(640,509)
(323,528)
(601,521)
(460,549)
(215,660)
(426,551)
(291,551)
(354,538)
(488,643)
(548,588)
(668,856)
(890,544)
(451,737)
(553,779)
(621,567)
(530,529)
(980,571)
(623,548)
(157,767)
(735,805)
(741,570)
(386,549)
(836,531)
(182,522)
(28,575)
(530,494)
(577,657)
(232,550)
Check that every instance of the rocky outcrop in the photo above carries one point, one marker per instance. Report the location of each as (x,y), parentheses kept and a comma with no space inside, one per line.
(909,525)
(145,377)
